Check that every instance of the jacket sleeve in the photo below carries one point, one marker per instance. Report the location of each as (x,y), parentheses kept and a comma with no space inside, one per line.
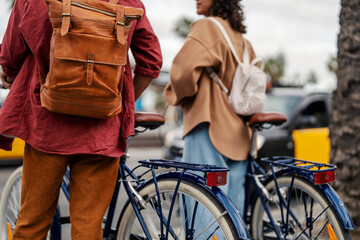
(146,50)
(186,71)
(13,49)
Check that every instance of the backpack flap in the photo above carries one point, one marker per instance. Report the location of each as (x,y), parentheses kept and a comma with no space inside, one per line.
(77,47)
(65,13)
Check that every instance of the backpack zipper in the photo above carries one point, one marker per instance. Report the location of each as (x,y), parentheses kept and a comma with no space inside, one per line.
(101,11)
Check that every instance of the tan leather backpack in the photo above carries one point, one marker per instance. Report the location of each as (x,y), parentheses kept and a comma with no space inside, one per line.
(88,53)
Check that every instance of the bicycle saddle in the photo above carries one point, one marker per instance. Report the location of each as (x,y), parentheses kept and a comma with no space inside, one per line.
(148,120)
(258,120)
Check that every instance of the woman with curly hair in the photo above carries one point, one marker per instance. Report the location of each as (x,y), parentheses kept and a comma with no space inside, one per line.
(213,132)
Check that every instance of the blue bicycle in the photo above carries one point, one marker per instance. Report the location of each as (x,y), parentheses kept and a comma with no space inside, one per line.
(176,204)
(288,198)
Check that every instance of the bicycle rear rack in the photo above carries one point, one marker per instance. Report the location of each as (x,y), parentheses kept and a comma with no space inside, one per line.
(214,175)
(164,163)
(281,161)
(319,173)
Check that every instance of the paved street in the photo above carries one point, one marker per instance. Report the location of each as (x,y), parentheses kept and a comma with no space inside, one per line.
(136,153)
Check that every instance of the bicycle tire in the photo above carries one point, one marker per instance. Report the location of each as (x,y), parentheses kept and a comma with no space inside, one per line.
(320,214)
(10,202)
(128,226)
(10,207)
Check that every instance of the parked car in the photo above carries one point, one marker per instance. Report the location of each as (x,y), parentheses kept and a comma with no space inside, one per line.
(305,135)
(15,156)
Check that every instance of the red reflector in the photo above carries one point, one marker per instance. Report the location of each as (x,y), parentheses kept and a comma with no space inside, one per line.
(216,179)
(324,177)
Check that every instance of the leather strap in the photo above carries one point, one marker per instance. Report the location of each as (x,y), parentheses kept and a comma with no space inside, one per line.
(119,24)
(65,17)
(89,68)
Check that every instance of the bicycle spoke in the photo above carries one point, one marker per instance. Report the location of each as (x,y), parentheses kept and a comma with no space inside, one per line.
(311,223)
(310,214)
(199,220)
(9,220)
(135,237)
(289,209)
(188,214)
(212,234)
(212,223)
(322,229)
(12,207)
(195,214)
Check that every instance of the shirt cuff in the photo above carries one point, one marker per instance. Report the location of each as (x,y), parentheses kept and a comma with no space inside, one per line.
(145,72)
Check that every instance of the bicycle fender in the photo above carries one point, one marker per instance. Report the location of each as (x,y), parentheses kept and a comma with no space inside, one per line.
(339,206)
(219,195)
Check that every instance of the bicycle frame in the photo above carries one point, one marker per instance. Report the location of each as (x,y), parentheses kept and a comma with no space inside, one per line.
(286,166)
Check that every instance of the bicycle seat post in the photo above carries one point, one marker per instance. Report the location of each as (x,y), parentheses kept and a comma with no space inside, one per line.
(253,148)
(258,121)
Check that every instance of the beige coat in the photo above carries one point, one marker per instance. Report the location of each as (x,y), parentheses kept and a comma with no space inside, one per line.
(202,99)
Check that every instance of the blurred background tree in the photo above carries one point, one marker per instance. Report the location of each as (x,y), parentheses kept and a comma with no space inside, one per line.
(275,68)
(182,26)
(345,117)
(332,64)
(312,78)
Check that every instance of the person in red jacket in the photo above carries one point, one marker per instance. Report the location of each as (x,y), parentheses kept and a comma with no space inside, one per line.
(91,147)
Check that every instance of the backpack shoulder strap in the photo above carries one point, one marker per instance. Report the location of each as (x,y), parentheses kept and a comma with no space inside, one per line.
(246,56)
(227,38)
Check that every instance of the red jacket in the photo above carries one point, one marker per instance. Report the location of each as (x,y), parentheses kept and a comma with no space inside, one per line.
(25,50)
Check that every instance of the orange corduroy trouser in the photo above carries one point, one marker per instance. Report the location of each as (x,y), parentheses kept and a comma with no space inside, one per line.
(92,182)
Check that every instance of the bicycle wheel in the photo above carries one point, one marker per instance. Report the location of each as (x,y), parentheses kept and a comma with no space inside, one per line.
(196,214)
(311,216)
(10,203)
(10,207)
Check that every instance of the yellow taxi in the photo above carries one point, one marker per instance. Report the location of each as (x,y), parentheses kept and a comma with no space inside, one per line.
(17,152)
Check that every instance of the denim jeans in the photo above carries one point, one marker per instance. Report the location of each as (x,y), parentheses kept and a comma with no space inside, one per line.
(199,149)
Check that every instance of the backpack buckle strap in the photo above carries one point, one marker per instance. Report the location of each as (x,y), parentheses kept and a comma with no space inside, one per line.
(212,74)
(89,66)
(65,17)
(120,24)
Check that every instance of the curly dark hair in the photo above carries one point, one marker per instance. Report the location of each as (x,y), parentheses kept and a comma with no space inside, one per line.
(231,10)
